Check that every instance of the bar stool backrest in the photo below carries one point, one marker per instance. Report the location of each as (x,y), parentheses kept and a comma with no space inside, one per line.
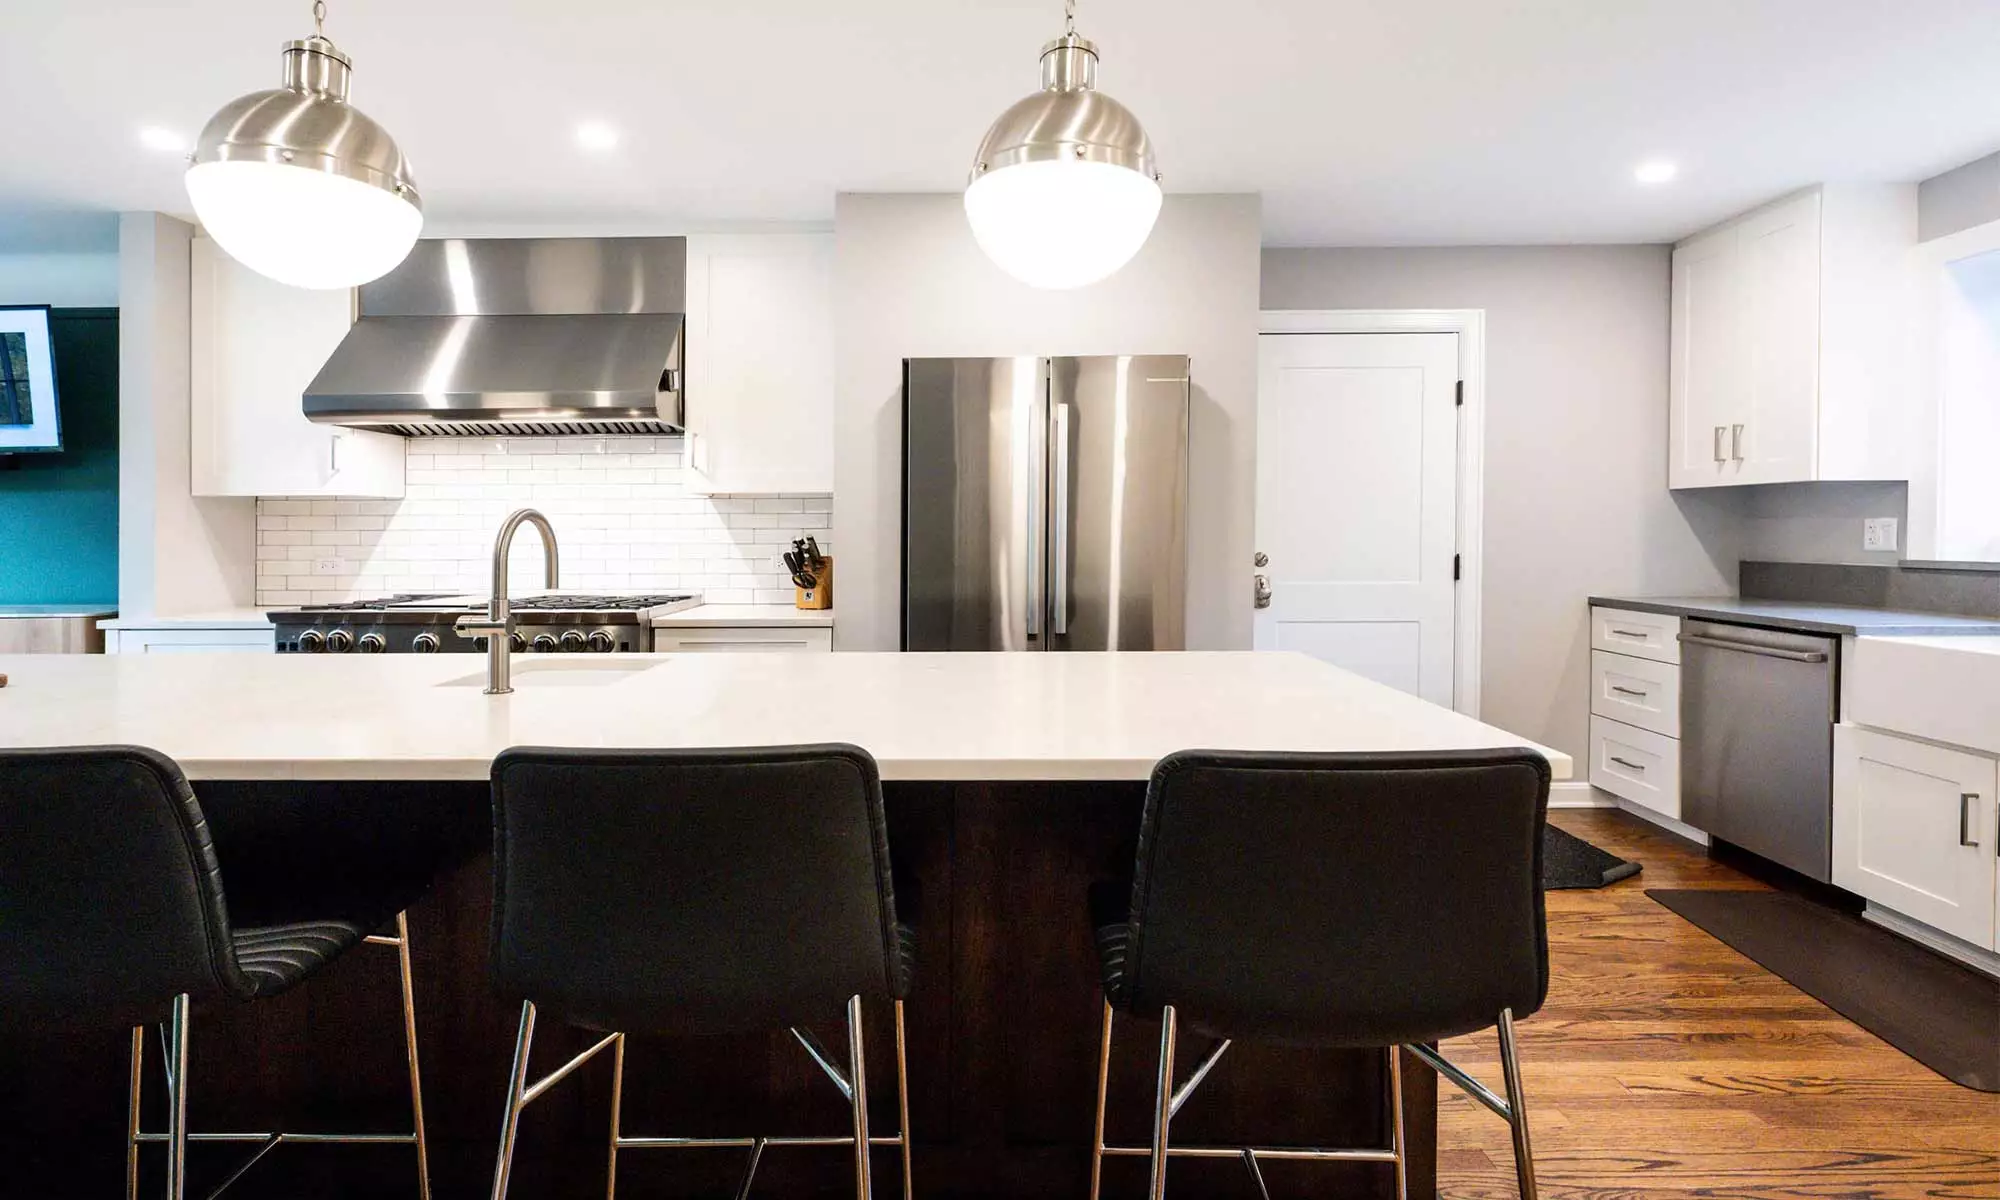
(110,900)
(698,891)
(1341,899)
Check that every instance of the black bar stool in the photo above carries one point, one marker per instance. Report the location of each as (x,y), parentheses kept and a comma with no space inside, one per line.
(620,876)
(1344,900)
(116,911)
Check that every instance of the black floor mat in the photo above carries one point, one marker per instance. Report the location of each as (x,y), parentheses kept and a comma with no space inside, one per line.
(1944,1015)
(1570,862)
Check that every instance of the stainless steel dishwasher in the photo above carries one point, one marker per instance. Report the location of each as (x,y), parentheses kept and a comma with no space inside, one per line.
(1757,714)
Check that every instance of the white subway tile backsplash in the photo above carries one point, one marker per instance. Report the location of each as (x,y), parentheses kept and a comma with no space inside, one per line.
(621,514)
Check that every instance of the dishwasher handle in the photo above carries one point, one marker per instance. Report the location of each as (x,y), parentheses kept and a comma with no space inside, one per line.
(1804,656)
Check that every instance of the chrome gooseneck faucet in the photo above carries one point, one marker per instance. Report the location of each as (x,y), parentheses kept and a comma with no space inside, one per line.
(497,626)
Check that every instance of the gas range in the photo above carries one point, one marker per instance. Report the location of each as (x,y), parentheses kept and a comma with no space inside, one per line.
(421,623)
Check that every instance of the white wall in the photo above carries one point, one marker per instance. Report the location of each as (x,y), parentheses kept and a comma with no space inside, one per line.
(82,279)
(623,520)
(1576,448)
(910,282)
(176,554)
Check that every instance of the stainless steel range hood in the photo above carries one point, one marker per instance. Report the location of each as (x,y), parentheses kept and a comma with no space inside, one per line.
(527,336)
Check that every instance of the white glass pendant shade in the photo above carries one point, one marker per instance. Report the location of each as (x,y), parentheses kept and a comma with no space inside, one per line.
(1062,224)
(302,227)
(1064,190)
(299,185)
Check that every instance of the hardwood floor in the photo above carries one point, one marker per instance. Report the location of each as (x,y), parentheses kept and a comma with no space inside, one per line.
(1667,1065)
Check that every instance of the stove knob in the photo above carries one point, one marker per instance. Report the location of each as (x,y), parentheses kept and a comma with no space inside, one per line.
(572,641)
(601,642)
(372,643)
(545,643)
(312,641)
(424,643)
(516,643)
(340,641)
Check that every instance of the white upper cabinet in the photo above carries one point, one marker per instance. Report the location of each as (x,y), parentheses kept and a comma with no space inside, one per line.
(254,346)
(760,363)
(1791,346)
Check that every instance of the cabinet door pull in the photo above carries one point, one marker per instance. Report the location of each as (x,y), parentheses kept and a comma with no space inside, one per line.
(1966,800)
(1627,764)
(1718,443)
(1630,633)
(1736,442)
(1625,691)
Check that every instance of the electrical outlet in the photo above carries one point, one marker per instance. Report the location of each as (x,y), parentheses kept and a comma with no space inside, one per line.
(326,566)
(1878,533)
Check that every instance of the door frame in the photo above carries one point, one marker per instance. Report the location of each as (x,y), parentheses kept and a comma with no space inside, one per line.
(1470,326)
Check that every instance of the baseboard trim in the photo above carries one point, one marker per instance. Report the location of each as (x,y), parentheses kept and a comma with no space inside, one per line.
(1978,958)
(1577,794)
(1663,821)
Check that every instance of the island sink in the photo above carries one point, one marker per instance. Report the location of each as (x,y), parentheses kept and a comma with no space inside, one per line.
(567,671)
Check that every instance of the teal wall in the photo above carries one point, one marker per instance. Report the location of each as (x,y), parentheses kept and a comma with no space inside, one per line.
(59,512)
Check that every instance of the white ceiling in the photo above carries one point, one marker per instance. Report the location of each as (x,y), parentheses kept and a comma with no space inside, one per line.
(1360,121)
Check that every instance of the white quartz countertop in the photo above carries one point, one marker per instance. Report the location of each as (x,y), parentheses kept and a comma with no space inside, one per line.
(221,618)
(746,616)
(923,716)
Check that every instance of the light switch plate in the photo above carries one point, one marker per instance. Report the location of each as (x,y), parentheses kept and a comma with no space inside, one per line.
(1878,533)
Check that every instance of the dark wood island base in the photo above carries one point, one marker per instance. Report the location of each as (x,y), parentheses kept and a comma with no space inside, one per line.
(1003,1030)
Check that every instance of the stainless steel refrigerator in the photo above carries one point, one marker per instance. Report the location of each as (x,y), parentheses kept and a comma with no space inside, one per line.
(1045,503)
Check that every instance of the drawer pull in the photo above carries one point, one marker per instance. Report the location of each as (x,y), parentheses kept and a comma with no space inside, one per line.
(1625,691)
(1965,802)
(1627,763)
(1630,633)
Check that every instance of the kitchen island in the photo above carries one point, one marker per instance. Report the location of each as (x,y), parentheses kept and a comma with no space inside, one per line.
(1012,782)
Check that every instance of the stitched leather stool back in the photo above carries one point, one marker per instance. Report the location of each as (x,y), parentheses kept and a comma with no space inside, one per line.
(110,904)
(692,891)
(1336,899)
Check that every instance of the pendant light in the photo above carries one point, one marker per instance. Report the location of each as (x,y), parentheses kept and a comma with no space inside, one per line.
(1064,189)
(299,185)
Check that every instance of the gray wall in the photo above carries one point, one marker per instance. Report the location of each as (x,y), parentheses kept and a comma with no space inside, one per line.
(910,282)
(1576,454)
(1959,199)
(1821,522)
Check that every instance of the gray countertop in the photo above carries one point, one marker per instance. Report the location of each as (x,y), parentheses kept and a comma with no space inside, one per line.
(58,610)
(1806,618)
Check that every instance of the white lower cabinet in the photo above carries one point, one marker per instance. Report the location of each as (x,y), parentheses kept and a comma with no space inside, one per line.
(1914,830)
(182,640)
(743,640)
(1636,764)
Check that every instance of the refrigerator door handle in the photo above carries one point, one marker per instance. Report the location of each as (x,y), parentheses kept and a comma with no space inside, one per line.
(1059,528)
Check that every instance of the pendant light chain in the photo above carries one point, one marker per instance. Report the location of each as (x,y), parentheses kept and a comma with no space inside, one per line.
(1069,18)
(319,19)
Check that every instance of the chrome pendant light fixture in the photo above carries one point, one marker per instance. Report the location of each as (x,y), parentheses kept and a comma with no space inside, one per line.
(1064,189)
(299,185)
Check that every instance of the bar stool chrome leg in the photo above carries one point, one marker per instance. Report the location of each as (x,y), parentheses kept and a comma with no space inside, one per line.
(858,1064)
(410,1046)
(1163,1102)
(132,1113)
(1396,1122)
(1517,1116)
(617,1105)
(177,1039)
(903,1104)
(1103,1087)
(517,1085)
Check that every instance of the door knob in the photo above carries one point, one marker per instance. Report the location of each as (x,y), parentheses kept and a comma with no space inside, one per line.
(1263,590)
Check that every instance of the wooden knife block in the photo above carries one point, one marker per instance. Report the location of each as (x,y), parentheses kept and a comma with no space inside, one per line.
(822,595)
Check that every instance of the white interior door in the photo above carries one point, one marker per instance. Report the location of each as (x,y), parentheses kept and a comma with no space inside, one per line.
(1357,478)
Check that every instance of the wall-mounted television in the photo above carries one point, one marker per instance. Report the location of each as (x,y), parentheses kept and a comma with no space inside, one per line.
(29,416)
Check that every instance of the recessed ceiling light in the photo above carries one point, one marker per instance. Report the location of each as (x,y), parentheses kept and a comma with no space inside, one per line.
(596,135)
(166,141)
(1659,170)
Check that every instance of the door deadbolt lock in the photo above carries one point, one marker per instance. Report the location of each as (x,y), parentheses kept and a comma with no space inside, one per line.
(1263,591)
(1261,560)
